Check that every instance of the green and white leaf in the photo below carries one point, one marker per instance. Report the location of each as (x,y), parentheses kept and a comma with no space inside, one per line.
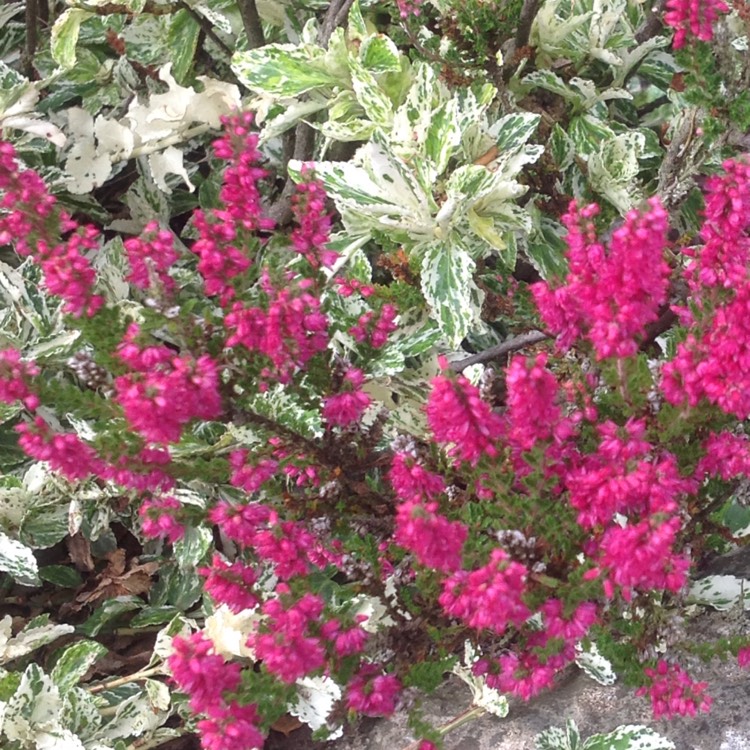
(134,717)
(377,106)
(556,738)
(513,131)
(599,669)
(37,633)
(18,560)
(631,737)
(283,69)
(74,662)
(64,36)
(447,280)
(33,709)
(722,592)
(192,549)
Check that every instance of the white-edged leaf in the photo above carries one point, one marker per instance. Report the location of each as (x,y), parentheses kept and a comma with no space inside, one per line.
(283,69)
(64,36)
(595,665)
(193,547)
(514,130)
(315,699)
(631,737)
(447,279)
(74,662)
(33,708)
(18,560)
(722,592)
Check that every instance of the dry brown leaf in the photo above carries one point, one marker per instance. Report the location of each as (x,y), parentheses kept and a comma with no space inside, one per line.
(79,551)
(118,580)
(286,724)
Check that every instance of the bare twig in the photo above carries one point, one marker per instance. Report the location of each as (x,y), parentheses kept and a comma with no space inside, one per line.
(32,11)
(529,9)
(251,23)
(506,347)
(335,16)
(304,145)
(653,23)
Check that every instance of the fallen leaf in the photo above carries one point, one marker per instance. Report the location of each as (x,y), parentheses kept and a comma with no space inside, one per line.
(117,579)
(286,724)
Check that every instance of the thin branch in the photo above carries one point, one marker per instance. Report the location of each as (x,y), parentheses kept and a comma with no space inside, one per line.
(251,22)
(32,11)
(653,23)
(529,9)
(335,16)
(499,350)
(304,148)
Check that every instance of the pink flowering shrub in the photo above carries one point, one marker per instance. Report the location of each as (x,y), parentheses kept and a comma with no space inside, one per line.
(528,518)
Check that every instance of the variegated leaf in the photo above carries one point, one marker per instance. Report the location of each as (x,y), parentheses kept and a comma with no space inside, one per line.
(74,662)
(18,560)
(631,737)
(376,104)
(514,130)
(379,54)
(283,69)
(447,281)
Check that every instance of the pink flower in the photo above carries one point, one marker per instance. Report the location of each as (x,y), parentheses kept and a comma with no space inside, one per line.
(408,8)
(166,391)
(241,523)
(347,407)
(231,584)
(571,629)
(610,294)
(490,597)
(372,693)
(375,328)
(202,673)
(411,481)
(287,646)
(65,452)
(743,657)
(641,556)
(150,256)
(289,332)
(314,223)
(15,379)
(231,727)
(672,692)
(695,17)
(458,417)
(158,518)
(533,403)
(435,541)
(726,455)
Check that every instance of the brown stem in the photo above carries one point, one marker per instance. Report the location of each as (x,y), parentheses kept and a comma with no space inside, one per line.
(251,22)
(32,11)
(335,16)
(497,351)
(304,148)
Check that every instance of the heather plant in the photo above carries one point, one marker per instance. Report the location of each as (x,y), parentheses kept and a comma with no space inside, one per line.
(225,391)
(532,521)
